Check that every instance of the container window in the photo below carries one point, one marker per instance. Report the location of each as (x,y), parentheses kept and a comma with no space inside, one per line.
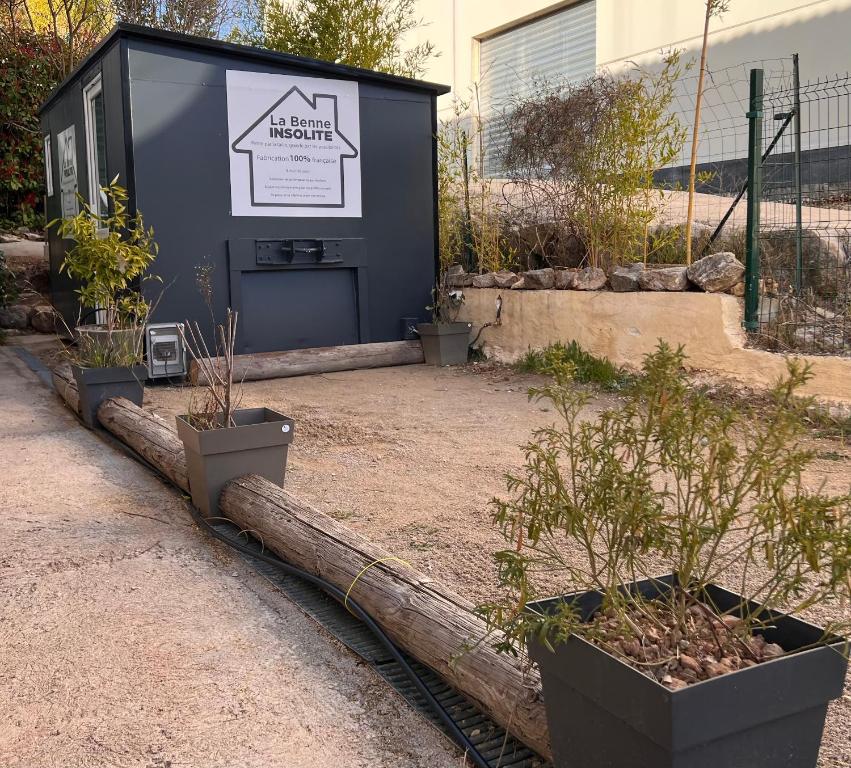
(96,145)
(48,166)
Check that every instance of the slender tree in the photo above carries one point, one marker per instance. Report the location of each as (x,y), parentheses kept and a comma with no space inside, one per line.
(713,8)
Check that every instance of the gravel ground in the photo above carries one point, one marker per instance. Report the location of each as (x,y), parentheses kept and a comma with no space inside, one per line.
(411,457)
(128,638)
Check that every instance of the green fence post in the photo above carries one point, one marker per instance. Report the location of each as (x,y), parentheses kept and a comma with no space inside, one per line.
(754,116)
(799,230)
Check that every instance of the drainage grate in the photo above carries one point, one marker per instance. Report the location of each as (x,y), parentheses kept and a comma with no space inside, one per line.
(500,749)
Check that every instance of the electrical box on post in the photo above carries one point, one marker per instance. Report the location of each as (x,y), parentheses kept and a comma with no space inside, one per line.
(166,350)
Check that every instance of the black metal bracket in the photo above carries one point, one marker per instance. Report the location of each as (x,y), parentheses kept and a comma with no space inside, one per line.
(276,253)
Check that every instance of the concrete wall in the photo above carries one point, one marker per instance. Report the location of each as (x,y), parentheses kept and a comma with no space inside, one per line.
(636,30)
(626,326)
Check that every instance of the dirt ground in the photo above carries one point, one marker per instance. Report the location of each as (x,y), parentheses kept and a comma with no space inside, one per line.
(411,456)
(128,638)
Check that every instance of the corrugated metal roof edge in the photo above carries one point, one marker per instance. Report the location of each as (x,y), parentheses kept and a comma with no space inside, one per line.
(123,30)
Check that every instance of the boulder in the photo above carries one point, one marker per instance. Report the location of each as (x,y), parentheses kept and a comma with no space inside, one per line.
(519,285)
(737,290)
(664,279)
(43,319)
(826,267)
(625,278)
(5,237)
(589,279)
(487,280)
(16,316)
(36,237)
(716,272)
(564,279)
(504,279)
(458,279)
(539,279)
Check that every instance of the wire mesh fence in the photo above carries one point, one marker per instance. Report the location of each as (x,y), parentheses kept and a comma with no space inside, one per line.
(805,218)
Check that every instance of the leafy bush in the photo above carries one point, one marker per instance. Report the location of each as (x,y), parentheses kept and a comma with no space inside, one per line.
(26,78)
(668,481)
(111,254)
(583,367)
(581,158)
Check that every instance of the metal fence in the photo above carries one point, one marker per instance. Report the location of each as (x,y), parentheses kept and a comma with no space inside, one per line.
(798,237)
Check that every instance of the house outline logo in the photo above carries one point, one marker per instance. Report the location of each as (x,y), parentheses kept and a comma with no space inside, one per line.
(313,104)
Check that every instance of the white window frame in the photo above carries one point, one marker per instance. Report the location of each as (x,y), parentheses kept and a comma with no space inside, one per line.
(94,88)
(48,166)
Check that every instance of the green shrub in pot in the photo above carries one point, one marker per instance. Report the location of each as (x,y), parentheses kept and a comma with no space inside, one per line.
(109,259)
(688,548)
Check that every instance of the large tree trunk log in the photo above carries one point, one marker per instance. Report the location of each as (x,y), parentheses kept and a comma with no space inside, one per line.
(66,387)
(144,432)
(299,362)
(148,435)
(427,620)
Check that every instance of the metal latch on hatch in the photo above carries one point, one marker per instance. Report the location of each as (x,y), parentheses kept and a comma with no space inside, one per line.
(310,251)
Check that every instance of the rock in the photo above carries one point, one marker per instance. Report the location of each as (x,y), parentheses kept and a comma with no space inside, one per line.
(34,236)
(7,238)
(732,622)
(772,651)
(486,280)
(564,279)
(716,669)
(716,272)
(589,279)
(43,319)
(675,684)
(539,279)
(519,285)
(17,316)
(458,278)
(825,262)
(21,231)
(737,290)
(687,662)
(625,278)
(504,279)
(664,279)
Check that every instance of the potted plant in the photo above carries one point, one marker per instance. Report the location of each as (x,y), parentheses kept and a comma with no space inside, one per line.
(223,441)
(110,257)
(646,671)
(445,340)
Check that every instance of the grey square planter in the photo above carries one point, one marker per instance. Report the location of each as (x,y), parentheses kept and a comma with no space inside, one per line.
(95,385)
(602,712)
(445,343)
(257,445)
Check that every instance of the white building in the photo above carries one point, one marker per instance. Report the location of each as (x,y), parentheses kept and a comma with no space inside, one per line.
(495,50)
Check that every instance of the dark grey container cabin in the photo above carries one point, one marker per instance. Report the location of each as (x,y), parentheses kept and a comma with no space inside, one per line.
(151,108)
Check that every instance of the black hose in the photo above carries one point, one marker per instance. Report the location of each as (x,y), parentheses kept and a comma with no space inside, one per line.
(335,592)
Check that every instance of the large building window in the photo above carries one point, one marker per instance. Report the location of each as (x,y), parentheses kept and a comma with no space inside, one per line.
(557,48)
(95,145)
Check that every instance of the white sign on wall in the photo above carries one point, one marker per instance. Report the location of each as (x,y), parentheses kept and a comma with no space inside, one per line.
(294,145)
(67,146)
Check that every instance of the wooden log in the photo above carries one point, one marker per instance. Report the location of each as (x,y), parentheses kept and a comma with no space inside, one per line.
(148,435)
(66,387)
(143,431)
(428,621)
(421,616)
(300,362)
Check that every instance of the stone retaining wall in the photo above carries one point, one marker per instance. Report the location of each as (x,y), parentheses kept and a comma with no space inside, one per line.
(626,326)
